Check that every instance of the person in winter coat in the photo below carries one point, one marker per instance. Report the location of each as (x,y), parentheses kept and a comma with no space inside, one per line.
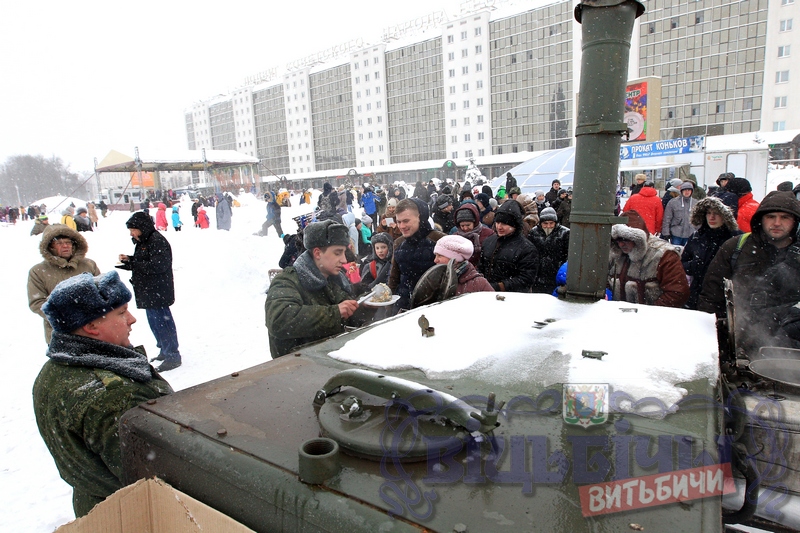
(421,192)
(443,214)
(224,212)
(161,217)
(67,218)
(388,222)
(92,377)
(485,209)
(40,224)
(413,251)
(376,267)
(745,260)
(202,218)
(551,240)
(292,249)
(103,208)
(716,224)
(92,214)
(552,194)
(273,215)
(638,183)
(467,226)
(349,221)
(673,191)
(460,250)
(530,212)
(82,221)
(364,236)
(565,209)
(508,260)
(176,218)
(644,269)
(64,251)
(747,206)
(698,193)
(368,199)
(311,300)
(677,224)
(648,205)
(728,198)
(153,285)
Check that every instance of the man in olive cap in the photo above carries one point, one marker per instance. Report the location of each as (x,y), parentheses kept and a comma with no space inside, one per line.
(92,377)
(311,299)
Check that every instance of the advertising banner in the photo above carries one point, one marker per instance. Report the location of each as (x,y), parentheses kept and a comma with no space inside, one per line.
(147,178)
(636,110)
(669,147)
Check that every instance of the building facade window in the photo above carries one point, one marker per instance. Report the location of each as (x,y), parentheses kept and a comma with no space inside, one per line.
(786,25)
(780,101)
(779,125)
(782,76)
(784,51)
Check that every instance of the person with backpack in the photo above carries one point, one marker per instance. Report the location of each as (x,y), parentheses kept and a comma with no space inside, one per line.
(745,259)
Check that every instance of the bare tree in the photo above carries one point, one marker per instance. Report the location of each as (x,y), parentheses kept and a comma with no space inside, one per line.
(26,178)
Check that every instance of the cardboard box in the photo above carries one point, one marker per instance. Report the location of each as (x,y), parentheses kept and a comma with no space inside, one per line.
(151,505)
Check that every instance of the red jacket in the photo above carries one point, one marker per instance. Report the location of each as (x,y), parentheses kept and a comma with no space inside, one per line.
(202,218)
(747,208)
(648,204)
(161,217)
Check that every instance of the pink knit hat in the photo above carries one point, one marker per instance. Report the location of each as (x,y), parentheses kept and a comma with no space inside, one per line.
(454,247)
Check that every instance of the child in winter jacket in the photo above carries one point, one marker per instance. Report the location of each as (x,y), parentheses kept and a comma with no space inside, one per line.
(376,267)
(161,217)
(176,218)
(202,218)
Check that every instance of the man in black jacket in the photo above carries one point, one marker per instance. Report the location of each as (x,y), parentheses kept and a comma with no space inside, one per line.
(151,267)
(509,261)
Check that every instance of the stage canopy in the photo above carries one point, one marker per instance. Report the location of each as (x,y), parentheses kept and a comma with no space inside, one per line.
(175,160)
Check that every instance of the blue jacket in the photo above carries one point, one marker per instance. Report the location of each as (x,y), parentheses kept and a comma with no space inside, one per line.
(368,202)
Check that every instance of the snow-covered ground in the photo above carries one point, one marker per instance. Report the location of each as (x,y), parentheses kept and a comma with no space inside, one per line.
(220,283)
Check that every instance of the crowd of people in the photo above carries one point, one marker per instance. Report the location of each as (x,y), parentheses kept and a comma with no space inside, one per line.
(675,249)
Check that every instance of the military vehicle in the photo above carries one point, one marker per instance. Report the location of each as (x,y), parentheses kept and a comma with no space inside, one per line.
(496,412)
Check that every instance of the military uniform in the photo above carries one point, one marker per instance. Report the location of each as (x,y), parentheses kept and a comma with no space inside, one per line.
(78,398)
(303,306)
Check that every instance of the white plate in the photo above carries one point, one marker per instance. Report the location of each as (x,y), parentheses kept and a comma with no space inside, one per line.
(394,299)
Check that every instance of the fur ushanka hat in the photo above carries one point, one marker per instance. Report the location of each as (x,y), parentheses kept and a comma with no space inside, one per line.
(80,299)
(324,234)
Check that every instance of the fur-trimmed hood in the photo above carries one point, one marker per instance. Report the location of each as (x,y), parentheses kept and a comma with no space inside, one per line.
(60,230)
(711,203)
(637,236)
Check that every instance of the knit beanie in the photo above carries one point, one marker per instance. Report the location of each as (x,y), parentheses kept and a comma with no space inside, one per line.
(492,203)
(443,201)
(675,182)
(483,198)
(465,215)
(366,219)
(141,221)
(548,213)
(80,299)
(739,186)
(324,234)
(454,247)
(392,202)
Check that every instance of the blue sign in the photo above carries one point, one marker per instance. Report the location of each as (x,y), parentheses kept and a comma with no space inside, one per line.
(669,147)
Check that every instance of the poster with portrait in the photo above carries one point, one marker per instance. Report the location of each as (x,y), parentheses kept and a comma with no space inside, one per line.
(636,110)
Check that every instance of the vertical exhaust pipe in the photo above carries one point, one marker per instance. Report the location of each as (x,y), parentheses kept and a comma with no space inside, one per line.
(606,27)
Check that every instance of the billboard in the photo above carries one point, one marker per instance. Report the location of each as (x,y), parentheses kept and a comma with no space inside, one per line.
(642,109)
(147,178)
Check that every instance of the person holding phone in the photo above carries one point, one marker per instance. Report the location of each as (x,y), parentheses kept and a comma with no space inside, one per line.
(388,224)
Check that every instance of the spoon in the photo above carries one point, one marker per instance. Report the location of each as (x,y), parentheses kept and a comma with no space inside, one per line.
(379,290)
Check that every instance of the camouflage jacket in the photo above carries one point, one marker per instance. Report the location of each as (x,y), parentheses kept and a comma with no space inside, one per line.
(78,398)
(302,306)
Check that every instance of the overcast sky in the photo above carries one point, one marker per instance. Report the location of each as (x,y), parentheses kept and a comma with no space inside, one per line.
(80,78)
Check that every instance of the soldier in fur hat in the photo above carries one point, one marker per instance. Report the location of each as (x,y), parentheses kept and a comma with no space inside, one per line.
(92,377)
(311,300)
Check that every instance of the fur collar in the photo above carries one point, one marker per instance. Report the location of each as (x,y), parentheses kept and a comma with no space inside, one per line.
(312,279)
(75,350)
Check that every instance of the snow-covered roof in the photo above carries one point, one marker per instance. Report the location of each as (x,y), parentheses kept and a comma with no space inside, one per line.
(759,140)
(174,160)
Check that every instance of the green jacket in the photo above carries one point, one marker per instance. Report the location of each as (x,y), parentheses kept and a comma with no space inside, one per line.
(78,398)
(302,306)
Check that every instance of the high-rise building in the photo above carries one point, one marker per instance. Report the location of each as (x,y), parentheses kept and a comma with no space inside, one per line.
(502,79)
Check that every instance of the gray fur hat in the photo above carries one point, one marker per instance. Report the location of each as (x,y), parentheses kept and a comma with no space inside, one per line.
(80,299)
(324,234)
